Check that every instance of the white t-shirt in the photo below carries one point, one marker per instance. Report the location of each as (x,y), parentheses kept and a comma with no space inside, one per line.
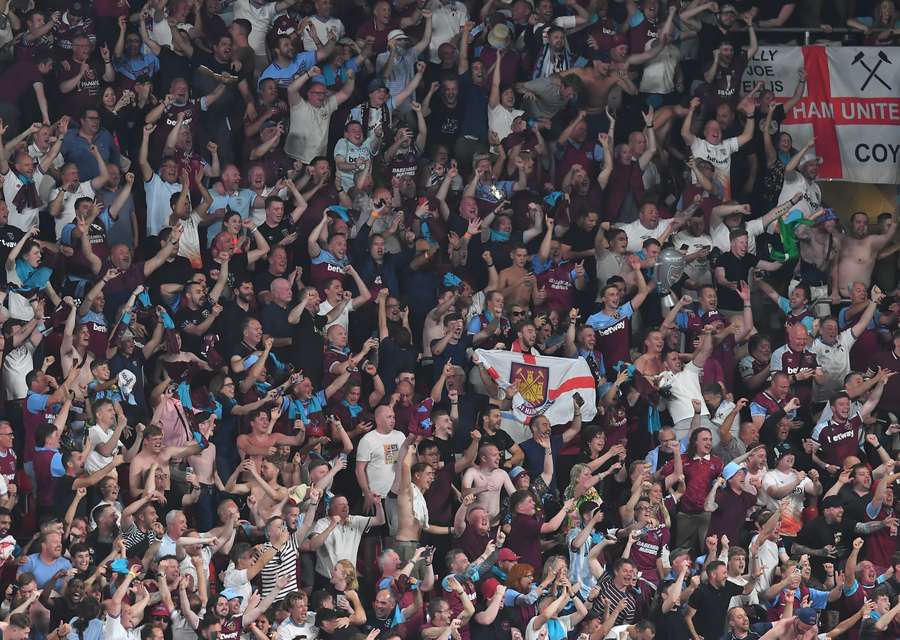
(237,579)
(774,479)
(835,363)
(500,120)
(16,365)
(27,217)
(189,245)
(159,192)
(685,386)
(67,213)
(447,21)
(637,233)
(308,135)
(98,436)
(344,319)
(659,74)
(719,155)
(322,26)
(382,452)
(260,18)
(794,183)
(721,235)
(342,543)
(532,634)
(697,270)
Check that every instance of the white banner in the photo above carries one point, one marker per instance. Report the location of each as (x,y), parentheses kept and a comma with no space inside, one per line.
(851,104)
(544,385)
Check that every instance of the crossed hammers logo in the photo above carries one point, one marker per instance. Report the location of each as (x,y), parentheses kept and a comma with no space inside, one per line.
(873,71)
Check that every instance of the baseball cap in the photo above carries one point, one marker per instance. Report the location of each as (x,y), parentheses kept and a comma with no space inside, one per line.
(619,40)
(397,33)
(727,8)
(489,588)
(809,156)
(515,472)
(807,615)
(601,55)
(783,449)
(832,502)
(230,594)
(160,611)
(731,469)
(507,554)
(376,84)
(828,215)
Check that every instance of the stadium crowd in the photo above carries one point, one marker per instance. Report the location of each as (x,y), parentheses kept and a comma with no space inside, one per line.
(252,250)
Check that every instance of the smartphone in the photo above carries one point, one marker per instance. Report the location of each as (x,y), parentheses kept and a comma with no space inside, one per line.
(578,399)
(343,456)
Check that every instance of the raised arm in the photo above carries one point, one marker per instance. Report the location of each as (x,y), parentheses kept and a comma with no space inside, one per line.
(686,134)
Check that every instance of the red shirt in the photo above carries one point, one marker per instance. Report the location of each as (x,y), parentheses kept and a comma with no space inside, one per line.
(699,474)
(369,30)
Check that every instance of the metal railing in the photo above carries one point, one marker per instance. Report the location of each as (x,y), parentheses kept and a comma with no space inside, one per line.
(809,31)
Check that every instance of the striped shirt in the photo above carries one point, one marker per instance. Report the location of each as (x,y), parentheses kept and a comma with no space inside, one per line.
(609,591)
(283,564)
(137,541)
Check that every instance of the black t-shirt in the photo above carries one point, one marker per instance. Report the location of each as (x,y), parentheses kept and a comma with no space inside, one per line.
(275,323)
(187,317)
(237,267)
(817,533)
(276,234)
(712,605)
(63,496)
(444,123)
(171,66)
(501,440)
(9,238)
(231,321)
(177,270)
(736,270)
(308,345)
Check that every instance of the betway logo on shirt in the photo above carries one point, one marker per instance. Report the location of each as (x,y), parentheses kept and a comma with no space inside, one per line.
(608,331)
(837,437)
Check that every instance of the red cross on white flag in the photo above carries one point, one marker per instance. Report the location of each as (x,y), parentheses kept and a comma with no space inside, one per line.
(851,105)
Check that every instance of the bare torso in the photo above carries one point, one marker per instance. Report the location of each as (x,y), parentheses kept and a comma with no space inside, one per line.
(856,261)
(517,278)
(492,482)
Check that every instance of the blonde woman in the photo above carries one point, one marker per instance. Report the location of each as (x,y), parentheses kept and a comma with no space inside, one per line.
(344,586)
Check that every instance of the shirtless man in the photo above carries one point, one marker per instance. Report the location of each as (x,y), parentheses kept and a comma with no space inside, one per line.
(517,285)
(266,495)
(859,251)
(260,440)
(204,468)
(487,479)
(598,82)
(650,363)
(151,452)
(819,246)
(412,510)
(204,463)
